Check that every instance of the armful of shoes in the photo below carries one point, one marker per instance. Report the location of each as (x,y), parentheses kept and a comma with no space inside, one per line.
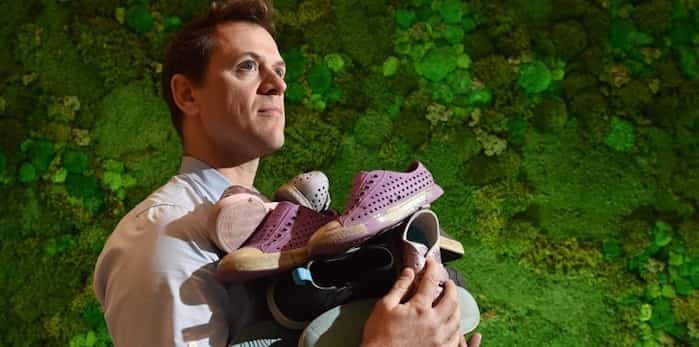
(426,319)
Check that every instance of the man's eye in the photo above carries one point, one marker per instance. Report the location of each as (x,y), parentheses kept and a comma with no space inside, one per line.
(280,72)
(248,65)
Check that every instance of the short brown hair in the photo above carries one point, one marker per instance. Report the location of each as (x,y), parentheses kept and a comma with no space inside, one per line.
(190,50)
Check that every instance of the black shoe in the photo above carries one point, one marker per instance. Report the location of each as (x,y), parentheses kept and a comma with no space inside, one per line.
(456,276)
(296,298)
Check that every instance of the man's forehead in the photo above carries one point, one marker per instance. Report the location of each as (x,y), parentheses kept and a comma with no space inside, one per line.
(235,38)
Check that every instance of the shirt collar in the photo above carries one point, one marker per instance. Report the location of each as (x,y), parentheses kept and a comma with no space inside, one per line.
(208,181)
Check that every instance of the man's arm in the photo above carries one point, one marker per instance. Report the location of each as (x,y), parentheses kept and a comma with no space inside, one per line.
(157,286)
(417,322)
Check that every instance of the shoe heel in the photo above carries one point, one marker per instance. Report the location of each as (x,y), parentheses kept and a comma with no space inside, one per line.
(235,223)
(333,238)
(290,193)
(249,263)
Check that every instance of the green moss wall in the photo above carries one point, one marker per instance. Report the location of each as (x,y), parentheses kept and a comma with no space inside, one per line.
(565,134)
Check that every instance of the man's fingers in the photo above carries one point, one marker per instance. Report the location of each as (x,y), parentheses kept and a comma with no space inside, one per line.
(452,322)
(429,285)
(453,340)
(400,288)
(449,301)
(462,342)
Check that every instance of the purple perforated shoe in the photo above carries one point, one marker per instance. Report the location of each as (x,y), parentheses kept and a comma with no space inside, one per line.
(278,244)
(379,200)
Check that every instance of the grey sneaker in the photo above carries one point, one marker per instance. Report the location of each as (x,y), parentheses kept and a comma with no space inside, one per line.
(310,189)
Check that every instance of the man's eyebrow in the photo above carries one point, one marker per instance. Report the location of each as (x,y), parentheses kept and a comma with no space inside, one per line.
(259,57)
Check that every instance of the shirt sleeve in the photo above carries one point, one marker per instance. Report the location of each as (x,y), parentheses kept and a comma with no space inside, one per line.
(155,281)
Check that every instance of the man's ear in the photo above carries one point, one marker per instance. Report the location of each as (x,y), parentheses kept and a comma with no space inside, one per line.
(183,94)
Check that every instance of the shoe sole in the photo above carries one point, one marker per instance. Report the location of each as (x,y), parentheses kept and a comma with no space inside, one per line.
(451,249)
(334,238)
(236,220)
(249,262)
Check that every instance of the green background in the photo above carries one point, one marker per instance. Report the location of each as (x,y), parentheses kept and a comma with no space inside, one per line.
(564,133)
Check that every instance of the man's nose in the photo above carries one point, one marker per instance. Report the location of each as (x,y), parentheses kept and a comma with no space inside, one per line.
(272,83)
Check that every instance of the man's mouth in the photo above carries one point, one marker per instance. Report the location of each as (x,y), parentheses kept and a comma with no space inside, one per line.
(271,111)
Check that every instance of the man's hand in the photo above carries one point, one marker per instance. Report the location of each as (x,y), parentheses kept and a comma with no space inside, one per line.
(421,321)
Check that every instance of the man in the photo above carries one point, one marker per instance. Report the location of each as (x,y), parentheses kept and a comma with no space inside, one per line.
(223,79)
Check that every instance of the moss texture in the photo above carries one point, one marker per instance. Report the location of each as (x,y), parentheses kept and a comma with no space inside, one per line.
(562,131)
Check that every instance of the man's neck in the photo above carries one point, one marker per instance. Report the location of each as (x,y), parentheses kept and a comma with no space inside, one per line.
(243,174)
(237,172)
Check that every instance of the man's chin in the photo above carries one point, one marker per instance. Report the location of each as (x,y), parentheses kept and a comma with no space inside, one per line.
(273,146)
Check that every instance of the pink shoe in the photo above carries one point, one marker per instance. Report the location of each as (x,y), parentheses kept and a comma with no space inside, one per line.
(235,216)
(278,244)
(239,211)
(417,241)
(379,200)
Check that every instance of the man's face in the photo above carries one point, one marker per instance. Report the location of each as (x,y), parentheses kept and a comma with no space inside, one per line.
(241,101)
